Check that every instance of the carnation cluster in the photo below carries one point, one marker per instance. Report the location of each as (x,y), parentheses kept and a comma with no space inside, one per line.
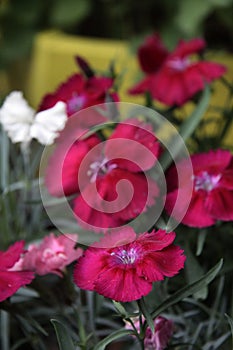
(106,213)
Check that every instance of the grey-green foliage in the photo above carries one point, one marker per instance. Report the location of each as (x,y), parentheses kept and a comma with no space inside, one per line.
(20,20)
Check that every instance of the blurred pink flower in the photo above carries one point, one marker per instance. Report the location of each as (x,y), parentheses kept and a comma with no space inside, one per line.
(162,333)
(212,197)
(10,279)
(52,255)
(125,270)
(174,78)
(93,173)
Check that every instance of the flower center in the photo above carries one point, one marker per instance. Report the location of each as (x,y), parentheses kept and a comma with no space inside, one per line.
(75,103)
(49,255)
(178,64)
(99,168)
(126,256)
(206,181)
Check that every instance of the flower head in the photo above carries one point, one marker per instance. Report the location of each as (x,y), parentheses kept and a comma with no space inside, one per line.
(79,92)
(100,172)
(12,280)
(23,124)
(212,196)
(163,330)
(52,255)
(174,78)
(131,265)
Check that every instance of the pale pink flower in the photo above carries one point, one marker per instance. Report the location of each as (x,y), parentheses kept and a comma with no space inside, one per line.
(52,255)
(162,333)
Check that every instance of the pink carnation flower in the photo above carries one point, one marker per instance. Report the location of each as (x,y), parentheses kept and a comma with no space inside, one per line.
(12,280)
(130,263)
(174,78)
(127,153)
(52,255)
(162,333)
(212,197)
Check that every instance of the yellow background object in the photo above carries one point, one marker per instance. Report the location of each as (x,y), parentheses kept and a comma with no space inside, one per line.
(53,62)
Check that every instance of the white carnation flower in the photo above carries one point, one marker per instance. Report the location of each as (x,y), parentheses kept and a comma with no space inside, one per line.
(22,123)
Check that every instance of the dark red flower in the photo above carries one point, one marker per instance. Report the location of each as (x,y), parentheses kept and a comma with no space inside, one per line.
(131,267)
(11,280)
(151,54)
(212,197)
(79,92)
(108,177)
(176,78)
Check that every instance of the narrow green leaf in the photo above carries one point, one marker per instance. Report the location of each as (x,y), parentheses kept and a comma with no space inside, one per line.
(230,320)
(188,290)
(193,272)
(114,336)
(202,234)
(146,314)
(64,339)
(120,308)
(187,128)
(4,160)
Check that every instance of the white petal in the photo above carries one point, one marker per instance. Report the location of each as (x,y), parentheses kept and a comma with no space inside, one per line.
(19,132)
(15,109)
(43,134)
(47,123)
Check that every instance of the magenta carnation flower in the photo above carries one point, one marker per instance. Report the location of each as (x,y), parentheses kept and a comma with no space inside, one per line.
(94,173)
(79,92)
(212,197)
(11,279)
(174,78)
(126,269)
(52,255)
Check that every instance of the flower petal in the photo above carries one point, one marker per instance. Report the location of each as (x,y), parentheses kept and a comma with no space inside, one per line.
(152,53)
(47,123)
(157,265)
(125,285)
(9,257)
(11,281)
(85,273)
(219,203)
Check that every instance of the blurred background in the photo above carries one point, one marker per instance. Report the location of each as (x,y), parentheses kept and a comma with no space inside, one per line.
(23,21)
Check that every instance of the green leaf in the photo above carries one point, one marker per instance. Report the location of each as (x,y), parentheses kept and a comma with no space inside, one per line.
(114,336)
(230,320)
(120,308)
(188,290)
(63,337)
(65,14)
(190,15)
(221,3)
(146,314)
(4,160)
(194,271)
(187,128)
(202,234)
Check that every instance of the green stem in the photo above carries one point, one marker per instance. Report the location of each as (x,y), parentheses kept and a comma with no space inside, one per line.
(25,150)
(5,331)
